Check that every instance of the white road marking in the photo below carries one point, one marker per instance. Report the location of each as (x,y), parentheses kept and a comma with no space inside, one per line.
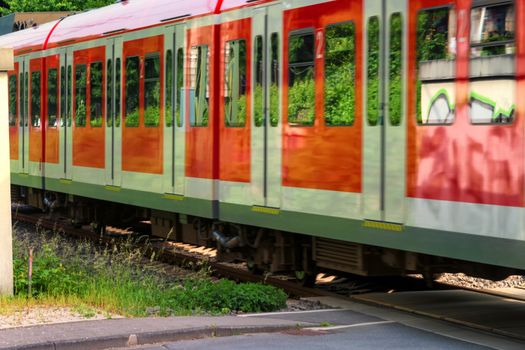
(291,312)
(348,326)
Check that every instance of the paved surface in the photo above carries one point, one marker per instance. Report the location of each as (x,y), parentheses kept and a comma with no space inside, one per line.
(379,336)
(487,312)
(354,326)
(123,332)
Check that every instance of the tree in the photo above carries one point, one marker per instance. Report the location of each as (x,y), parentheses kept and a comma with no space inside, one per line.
(52,5)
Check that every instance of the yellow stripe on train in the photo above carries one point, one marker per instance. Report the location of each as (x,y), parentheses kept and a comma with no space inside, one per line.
(383,225)
(266,210)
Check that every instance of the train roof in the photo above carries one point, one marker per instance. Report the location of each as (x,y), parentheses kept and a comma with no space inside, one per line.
(119,17)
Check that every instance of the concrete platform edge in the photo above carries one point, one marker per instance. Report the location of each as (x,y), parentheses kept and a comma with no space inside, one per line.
(152,337)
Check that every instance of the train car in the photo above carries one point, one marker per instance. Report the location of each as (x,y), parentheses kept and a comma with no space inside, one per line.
(366,136)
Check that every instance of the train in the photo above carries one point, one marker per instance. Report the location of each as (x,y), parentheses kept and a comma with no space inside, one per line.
(369,137)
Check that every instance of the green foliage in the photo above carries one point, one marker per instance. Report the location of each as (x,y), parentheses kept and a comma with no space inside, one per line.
(117,279)
(339,94)
(52,5)
(373,71)
(301,100)
(152,116)
(396,83)
(12,99)
(258,105)
(132,119)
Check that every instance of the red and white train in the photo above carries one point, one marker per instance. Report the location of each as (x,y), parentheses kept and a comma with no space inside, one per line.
(367,136)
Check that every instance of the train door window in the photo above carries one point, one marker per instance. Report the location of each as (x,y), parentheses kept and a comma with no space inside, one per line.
(69,90)
(21,98)
(26,98)
(180,82)
(235,83)
(132,91)
(152,90)
(258,94)
(169,89)
(275,74)
(339,64)
(301,84)
(52,97)
(80,95)
(395,70)
(435,85)
(109,93)
(95,94)
(35,98)
(63,112)
(199,82)
(13,93)
(492,62)
(372,90)
(117,91)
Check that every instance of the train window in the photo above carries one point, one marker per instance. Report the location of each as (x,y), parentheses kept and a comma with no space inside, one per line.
(13,93)
(109,93)
(118,78)
(493,62)
(152,90)
(80,95)
(492,29)
(69,89)
(274,79)
(22,99)
(199,82)
(235,83)
(63,78)
(52,94)
(169,89)
(372,88)
(301,84)
(26,98)
(395,81)
(95,94)
(132,91)
(180,82)
(435,85)
(35,98)
(339,87)
(258,94)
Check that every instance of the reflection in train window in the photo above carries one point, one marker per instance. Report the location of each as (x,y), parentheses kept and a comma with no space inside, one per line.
(132,91)
(169,89)
(26,98)
(63,78)
(339,87)
(275,74)
(13,93)
(52,97)
(395,80)
(372,91)
(301,85)
(235,102)
(178,88)
(492,29)
(199,68)
(258,93)
(22,99)
(118,77)
(80,95)
(435,60)
(152,90)
(95,94)
(109,93)
(35,98)
(483,110)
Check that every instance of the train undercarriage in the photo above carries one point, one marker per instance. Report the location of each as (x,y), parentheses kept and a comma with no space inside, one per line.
(263,250)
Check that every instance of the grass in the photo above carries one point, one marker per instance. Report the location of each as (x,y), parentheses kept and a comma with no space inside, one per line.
(117,279)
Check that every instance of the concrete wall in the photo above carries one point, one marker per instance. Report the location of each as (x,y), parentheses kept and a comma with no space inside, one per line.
(6,245)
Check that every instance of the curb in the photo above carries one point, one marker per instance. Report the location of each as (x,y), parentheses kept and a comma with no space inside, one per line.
(144,338)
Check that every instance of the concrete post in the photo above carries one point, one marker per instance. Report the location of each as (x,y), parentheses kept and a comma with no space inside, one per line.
(6,239)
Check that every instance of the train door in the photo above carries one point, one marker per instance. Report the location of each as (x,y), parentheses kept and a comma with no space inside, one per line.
(113,112)
(175,143)
(385,52)
(24,115)
(66,139)
(266,112)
